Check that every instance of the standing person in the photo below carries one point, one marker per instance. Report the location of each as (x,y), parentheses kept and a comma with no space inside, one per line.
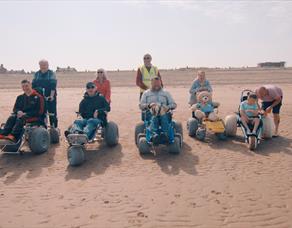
(198,85)
(45,79)
(271,97)
(145,73)
(103,85)
(28,108)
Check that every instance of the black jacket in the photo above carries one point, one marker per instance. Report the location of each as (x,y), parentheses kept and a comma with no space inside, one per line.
(32,106)
(89,105)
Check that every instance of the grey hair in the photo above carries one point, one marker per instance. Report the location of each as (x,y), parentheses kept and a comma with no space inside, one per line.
(43,61)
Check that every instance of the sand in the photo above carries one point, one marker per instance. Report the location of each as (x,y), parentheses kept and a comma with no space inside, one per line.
(210,184)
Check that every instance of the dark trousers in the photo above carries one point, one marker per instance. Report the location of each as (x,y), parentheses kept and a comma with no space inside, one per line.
(52,110)
(14,126)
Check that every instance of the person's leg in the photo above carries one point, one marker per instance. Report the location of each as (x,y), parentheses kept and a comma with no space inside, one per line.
(166,127)
(18,128)
(193,99)
(91,126)
(78,125)
(244,122)
(256,123)
(52,110)
(276,115)
(9,125)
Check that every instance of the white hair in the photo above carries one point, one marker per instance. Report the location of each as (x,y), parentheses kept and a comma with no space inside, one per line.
(43,61)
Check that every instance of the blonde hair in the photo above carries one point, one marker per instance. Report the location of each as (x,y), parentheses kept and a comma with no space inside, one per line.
(104,74)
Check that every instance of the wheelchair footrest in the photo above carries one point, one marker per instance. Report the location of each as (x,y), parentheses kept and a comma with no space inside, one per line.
(77,139)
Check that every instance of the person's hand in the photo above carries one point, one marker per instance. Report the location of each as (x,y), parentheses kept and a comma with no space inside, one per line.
(95,114)
(268,110)
(20,114)
(50,98)
(152,105)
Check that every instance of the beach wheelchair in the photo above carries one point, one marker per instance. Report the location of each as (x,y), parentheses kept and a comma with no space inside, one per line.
(77,142)
(199,128)
(37,135)
(144,137)
(264,130)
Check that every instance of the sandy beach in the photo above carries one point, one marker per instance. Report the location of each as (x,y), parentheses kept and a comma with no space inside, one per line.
(210,184)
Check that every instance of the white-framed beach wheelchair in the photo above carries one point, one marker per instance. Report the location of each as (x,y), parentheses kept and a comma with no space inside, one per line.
(264,130)
(77,142)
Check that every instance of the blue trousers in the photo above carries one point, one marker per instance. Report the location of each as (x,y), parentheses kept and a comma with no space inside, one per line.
(88,126)
(163,122)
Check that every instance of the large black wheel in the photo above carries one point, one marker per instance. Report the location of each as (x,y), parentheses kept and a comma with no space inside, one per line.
(54,135)
(76,155)
(111,134)
(201,134)
(178,128)
(192,126)
(39,140)
(139,129)
(144,147)
(175,147)
(252,142)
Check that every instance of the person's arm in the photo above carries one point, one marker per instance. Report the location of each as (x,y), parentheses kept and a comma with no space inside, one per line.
(194,88)
(159,75)
(171,103)
(143,103)
(82,110)
(17,105)
(275,103)
(34,81)
(106,105)
(53,85)
(108,92)
(209,87)
(139,80)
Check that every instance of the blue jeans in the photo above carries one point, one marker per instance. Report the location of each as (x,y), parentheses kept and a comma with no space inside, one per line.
(88,126)
(165,126)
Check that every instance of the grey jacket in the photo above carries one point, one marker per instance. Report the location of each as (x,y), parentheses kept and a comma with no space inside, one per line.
(161,97)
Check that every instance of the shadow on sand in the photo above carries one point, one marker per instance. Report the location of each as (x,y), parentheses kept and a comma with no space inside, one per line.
(12,166)
(97,161)
(173,164)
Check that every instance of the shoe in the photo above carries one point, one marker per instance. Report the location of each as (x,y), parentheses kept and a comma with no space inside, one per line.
(155,140)
(11,138)
(2,136)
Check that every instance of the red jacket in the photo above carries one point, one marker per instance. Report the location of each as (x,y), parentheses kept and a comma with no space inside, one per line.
(104,88)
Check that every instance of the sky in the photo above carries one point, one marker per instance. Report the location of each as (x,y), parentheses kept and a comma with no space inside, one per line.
(116,34)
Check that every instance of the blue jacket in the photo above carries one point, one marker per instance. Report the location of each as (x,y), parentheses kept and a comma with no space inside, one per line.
(197,85)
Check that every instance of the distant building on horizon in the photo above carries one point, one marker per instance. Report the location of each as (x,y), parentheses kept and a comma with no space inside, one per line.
(3,70)
(66,70)
(272,64)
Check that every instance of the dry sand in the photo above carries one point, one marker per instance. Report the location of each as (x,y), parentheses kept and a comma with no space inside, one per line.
(210,184)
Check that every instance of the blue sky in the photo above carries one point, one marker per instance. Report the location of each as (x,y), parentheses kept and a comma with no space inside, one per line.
(116,34)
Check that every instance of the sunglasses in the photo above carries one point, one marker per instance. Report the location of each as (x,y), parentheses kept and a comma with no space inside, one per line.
(91,87)
(147,58)
(99,72)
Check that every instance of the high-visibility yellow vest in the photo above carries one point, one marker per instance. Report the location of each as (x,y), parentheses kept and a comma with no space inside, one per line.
(148,75)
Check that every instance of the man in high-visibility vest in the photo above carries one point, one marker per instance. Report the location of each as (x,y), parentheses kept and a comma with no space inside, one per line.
(145,73)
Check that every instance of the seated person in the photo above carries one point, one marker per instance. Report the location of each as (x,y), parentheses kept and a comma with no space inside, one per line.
(103,85)
(249,111)
(28,108)
(158,101)
(199,84)
(93,110)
